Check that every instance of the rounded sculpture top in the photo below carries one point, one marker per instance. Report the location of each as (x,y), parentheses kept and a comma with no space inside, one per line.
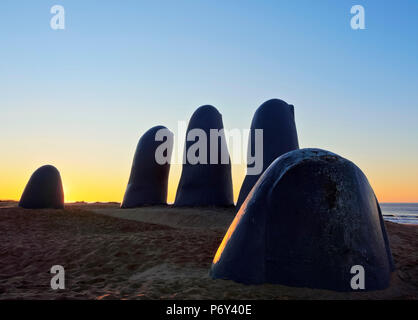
(308,220)
(274,106)
(150,133)
(44,190)
(206,108)
(206,117)
(48,169)
(277,120)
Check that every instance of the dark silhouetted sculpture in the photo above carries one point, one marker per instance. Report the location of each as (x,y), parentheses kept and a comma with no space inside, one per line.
(309,219)
(44,190)
(206,176)
(277,120)
(148,180)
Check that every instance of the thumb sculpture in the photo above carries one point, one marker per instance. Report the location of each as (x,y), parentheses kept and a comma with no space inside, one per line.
(277,120)
(44,190)
(206,176)
(148,181)
(310,218)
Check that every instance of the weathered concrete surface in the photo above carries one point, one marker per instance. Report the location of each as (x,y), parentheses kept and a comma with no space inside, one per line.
(206,184)
(310,217)
(277,120)
(148,181)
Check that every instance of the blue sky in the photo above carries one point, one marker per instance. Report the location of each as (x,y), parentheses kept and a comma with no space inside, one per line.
(81,97)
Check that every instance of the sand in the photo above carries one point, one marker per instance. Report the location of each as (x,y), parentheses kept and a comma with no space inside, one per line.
(149,253)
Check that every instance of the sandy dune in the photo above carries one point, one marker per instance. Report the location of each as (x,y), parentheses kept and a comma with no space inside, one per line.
(182,218)
(152,253)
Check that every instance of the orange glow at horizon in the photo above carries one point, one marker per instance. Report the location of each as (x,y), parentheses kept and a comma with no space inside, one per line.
(94,186)
(90,186)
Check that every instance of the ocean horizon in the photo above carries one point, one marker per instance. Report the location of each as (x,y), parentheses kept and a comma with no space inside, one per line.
(406,213)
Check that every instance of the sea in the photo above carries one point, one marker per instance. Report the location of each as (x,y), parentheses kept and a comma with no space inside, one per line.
(406,213)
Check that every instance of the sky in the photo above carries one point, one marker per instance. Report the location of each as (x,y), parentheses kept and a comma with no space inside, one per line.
(80,98)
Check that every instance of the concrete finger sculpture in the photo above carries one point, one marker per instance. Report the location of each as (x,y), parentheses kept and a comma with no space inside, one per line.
(148,181)
(277,120)
(310,218)
(206,177)
(44,190)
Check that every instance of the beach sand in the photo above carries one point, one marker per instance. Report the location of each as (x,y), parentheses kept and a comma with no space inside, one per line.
(149,253)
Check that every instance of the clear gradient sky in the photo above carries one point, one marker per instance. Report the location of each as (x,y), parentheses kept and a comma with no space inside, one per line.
(80,98)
